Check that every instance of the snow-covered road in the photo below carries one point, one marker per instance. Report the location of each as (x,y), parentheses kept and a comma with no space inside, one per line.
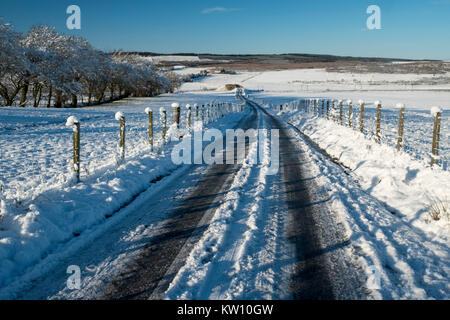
(221,232)
(235,232)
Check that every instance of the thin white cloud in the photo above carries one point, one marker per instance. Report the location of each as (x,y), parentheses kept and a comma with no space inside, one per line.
(218,9)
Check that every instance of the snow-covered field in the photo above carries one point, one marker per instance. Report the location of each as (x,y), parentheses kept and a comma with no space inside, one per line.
(383,198)
(169,58)
(388,88)
(37,146)
(40,205)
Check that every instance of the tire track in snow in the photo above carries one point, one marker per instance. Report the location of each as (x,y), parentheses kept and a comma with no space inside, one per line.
(239,256)
(325,268)
(149,275)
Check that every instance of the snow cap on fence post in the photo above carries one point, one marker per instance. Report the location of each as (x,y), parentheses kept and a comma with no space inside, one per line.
(435,110)
(71,122)
(119,115)
(75,125)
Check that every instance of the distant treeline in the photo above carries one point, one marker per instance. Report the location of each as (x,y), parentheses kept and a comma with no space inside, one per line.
(291,57)
(47,68)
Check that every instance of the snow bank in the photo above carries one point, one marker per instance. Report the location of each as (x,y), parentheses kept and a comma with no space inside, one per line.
(408,187)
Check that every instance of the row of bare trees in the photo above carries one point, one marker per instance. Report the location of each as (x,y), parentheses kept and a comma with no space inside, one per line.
(46,68)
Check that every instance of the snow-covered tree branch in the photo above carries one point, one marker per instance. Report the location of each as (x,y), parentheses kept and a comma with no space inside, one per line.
(45,63)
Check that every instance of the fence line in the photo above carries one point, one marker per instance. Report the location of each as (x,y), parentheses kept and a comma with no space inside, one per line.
(320,107)
(213,113)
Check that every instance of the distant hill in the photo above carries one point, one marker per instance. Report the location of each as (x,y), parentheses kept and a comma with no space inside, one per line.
(265,62)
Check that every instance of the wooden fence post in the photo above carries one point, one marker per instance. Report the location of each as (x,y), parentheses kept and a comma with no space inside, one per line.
(163,118)
(150,126)
(120,117)
(378,127)
(333,110)
(361,116)
(75,124)
(176,114)
(203,114)
(196,112)
(328,109)
(350,113)
(341,113)
(189,116)
(436,112)
(323,108)
(401,119)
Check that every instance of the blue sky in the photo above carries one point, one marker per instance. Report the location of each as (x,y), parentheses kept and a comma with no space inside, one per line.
(418,29)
